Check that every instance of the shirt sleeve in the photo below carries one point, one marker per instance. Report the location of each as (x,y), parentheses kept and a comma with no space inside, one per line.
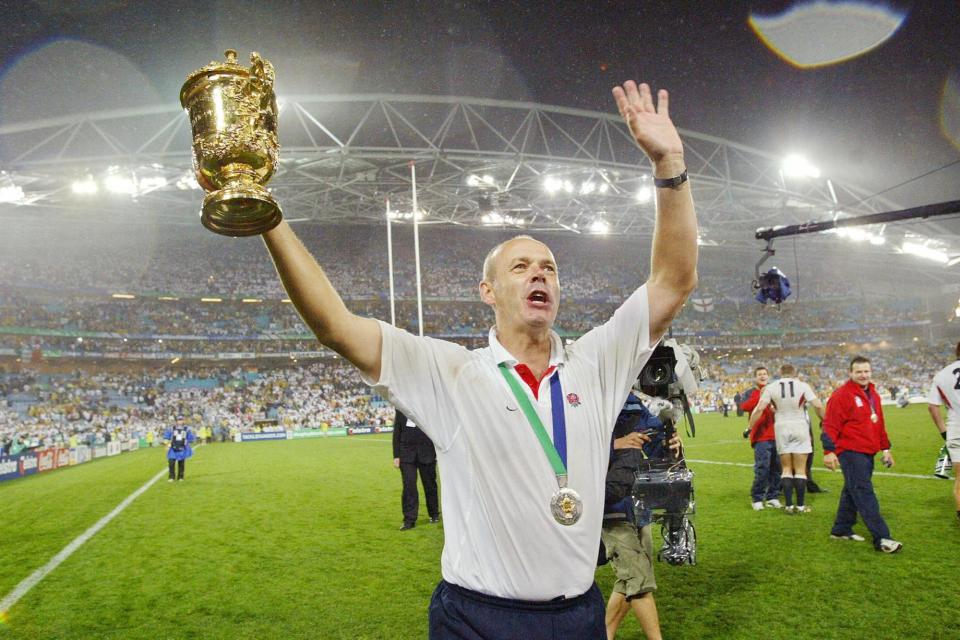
(808,393)
(416,374)
(750,402)
(933,396)
(618,349)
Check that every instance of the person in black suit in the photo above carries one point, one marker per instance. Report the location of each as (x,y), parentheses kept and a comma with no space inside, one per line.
(412,451)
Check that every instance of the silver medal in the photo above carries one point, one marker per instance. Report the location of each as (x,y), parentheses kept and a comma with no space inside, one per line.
(566,506)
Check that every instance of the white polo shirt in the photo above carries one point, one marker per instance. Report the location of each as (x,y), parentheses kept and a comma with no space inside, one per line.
(945,389)
(500,536)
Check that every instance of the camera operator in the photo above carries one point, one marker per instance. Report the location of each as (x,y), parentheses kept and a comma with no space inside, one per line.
(626,535)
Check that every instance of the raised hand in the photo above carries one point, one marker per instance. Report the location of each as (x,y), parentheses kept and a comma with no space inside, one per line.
(650,124)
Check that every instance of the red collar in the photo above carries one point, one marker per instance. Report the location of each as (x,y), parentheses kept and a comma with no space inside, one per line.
(527,376)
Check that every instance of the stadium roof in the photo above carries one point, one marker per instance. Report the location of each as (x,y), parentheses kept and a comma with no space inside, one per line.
(479,162)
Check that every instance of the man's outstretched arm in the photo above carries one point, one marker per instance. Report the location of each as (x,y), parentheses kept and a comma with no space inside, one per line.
(356,339)
(673,261)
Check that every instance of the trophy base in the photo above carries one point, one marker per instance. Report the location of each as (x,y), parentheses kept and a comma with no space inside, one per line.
(240,212)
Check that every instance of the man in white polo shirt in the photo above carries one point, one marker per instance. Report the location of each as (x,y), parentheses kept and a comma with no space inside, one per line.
(522,427)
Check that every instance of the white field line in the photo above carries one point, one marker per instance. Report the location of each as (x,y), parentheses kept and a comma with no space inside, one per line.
(31,581)
(890,474)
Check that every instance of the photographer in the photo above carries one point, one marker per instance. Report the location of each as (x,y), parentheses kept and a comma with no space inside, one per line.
(626,535)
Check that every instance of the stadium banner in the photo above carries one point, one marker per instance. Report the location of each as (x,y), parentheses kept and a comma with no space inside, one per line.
(269,435)
(63,457)
(362,431)
(131,445)
(113,448)
(80,454)
(27,463)
(9,468)
(46,460)
(99,452)
(319,433)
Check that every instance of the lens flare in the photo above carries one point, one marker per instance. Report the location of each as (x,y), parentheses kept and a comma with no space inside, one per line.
(950,109)
(817,34)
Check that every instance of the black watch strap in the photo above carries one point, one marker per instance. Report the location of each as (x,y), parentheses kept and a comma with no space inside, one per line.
(671,183)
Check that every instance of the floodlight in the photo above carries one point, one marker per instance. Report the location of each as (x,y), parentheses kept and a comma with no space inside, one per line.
(600,226)
(877,240)
(604,187)
(923,251)
(472,180)
(120,184)
(11,193)
(84,187)
(551,185)
(587,188)
(644,194)
(488,179)
(796,166)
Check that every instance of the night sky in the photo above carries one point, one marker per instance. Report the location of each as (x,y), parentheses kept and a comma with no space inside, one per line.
(873,120)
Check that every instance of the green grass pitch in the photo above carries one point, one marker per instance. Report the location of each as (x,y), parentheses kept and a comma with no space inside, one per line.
(300,539)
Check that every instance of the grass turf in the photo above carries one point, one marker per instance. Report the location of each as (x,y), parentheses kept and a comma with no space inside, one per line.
(300,540)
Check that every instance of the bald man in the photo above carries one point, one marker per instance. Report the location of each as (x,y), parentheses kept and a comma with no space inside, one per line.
(522,427)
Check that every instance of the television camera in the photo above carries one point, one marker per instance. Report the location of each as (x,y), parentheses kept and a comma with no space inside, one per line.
(663,485)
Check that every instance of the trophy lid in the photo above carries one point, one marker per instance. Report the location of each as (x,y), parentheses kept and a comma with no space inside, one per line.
(230,65)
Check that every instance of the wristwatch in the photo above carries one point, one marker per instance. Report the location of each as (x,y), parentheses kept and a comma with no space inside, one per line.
(671,183)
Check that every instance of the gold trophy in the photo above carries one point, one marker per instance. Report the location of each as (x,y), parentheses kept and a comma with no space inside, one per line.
(233,115)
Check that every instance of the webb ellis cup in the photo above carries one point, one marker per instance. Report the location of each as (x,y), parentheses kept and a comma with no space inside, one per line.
(233,115)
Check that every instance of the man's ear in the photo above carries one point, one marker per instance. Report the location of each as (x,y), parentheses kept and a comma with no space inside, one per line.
(486,293)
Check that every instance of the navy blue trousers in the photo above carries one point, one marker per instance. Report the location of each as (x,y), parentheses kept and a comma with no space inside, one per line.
(766,471)
(461,614)
(858,497)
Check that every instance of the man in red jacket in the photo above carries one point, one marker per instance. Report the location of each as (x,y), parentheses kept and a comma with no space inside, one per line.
(766,463)
(853,433)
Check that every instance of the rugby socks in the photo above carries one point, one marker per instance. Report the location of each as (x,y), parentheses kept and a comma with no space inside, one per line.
(800,483)
(786,483)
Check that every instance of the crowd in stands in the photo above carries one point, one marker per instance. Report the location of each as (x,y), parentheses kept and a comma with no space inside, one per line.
(57,300)
(90,407)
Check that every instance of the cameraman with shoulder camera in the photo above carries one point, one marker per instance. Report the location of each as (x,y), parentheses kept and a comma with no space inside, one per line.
(626,535)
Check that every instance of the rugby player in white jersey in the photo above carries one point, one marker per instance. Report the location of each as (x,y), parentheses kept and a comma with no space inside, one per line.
(790,396)
(945,391)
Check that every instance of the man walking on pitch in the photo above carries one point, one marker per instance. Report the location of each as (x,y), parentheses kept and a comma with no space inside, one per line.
(945,391)
(853,433)
(522,509)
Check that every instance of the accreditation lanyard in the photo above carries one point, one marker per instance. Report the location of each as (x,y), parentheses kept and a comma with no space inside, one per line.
(557,449)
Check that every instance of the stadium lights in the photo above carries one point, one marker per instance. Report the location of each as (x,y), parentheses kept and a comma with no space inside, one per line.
(488,179)
(123,296)
(644,194)
(85,187)
(473,180)
(251,300)
(187,181)
(286,300)
(551,185)
(587,188)
(600,226)
(120,184)
(175,360)
(923,251)
(796,166)
(12,194)
(211,299)
(168,298)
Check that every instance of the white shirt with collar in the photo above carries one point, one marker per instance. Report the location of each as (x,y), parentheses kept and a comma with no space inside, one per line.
(500,536)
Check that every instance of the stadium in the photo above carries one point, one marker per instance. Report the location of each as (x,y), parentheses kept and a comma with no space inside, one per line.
(120,313)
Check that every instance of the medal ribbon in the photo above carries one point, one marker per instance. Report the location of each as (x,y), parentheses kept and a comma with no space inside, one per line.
(557,449)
